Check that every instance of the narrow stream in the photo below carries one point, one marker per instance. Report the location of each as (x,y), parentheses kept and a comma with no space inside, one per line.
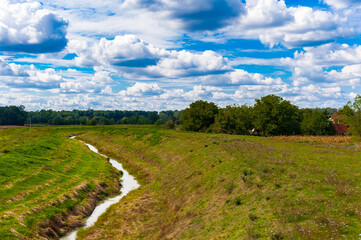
(128,184)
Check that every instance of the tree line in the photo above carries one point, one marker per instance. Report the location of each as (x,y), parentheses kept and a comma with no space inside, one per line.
(13,115)
(101,117)
(271,115)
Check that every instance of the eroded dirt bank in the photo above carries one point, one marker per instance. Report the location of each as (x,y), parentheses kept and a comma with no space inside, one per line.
(74,217)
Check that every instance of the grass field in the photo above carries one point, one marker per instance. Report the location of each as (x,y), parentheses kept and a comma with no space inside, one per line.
(213,186)
(48,182)
(193,185)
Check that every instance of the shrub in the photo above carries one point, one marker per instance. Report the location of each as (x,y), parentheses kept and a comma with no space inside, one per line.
(253,217)
(238,201)
(169,124)
(277,236)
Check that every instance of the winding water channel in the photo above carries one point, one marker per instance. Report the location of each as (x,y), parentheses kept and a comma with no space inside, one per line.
(128,184)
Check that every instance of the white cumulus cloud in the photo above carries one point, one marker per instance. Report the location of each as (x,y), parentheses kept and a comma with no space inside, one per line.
(28,27)
(273,23)
(133,57)
(339,4)
(143,89)
(328,64)
(240,77)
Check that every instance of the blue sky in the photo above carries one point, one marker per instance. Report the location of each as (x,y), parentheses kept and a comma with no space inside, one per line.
(162,54)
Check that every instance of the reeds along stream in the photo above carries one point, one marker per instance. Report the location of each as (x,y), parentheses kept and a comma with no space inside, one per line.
(129,183)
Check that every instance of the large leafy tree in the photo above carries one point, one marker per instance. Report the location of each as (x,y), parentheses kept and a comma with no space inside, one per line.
(316,122)
(199,116)
(275,116)
(233,120)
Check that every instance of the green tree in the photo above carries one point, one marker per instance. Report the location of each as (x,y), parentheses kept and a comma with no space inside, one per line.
(353,116)
(275,116)
(199,116)
(316,122)
(233,120)
(153,117)
(347,110)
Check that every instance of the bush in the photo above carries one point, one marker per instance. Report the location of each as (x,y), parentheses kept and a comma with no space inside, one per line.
(253,217)
(169,124)
(277,236)
(238,201)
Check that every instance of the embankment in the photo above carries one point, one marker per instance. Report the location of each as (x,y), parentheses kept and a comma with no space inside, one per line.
(214,186)
(48,183)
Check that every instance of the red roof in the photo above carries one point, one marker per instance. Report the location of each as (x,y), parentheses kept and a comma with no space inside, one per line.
(340,128)
(336,116)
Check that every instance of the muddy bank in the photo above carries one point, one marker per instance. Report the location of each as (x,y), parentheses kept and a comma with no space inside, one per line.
(73,218)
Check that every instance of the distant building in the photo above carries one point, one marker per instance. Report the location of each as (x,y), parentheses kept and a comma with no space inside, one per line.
(336,118)
(338,125)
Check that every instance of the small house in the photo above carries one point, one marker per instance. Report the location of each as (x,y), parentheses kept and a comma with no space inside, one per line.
(336,118)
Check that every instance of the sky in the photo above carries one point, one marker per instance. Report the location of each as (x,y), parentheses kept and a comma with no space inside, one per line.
(165,54)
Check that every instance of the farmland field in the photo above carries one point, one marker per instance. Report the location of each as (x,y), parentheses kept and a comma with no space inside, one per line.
(193,185)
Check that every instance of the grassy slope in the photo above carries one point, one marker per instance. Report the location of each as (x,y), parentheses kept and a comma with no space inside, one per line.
(43,174)
(207,186)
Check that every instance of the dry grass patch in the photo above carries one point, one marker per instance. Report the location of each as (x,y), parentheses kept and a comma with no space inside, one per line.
(319,139)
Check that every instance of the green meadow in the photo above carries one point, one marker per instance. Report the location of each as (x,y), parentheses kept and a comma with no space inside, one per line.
(48,182)
(193,185)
